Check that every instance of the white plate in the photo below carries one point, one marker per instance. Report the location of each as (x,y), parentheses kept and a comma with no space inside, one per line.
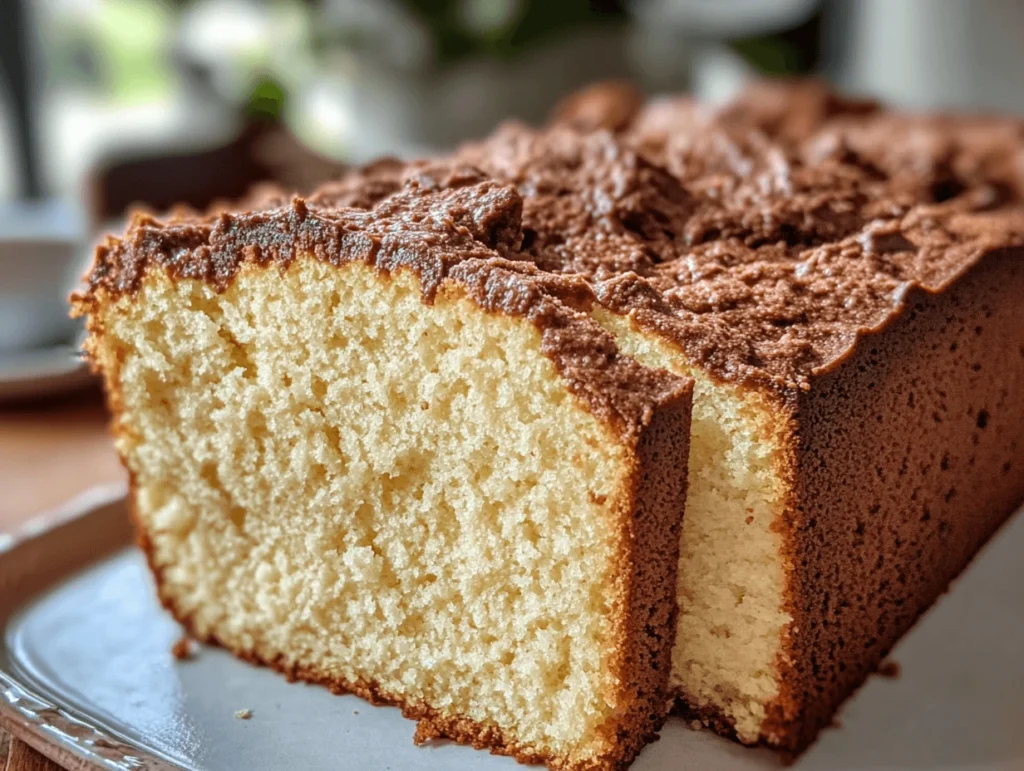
(87,677)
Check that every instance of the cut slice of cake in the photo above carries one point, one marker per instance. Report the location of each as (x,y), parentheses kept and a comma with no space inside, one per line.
(845,286)
(370,452)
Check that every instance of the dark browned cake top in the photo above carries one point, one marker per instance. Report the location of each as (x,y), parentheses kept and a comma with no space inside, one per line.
(767,235)
(764,236)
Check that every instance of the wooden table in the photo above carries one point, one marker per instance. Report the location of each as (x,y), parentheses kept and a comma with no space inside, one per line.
(49,452)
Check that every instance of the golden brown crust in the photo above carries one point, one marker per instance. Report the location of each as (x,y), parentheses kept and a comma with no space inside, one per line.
(909,457)
(867,550)
(842,314)
(648,567)
(774,232)
(904,458)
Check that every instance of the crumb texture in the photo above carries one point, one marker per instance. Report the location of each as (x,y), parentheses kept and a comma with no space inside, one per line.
(730,586)
(337,477)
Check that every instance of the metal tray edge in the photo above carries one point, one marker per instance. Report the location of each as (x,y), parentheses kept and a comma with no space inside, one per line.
(48,549)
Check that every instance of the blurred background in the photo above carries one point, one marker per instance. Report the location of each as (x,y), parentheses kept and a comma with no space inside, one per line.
(97,93)
(105,104)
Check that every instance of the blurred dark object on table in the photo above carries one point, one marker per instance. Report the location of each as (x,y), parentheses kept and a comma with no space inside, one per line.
(264,151)
(412,77)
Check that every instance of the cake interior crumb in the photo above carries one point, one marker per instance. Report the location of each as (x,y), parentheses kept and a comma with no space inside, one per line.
(732,616)
(436,552)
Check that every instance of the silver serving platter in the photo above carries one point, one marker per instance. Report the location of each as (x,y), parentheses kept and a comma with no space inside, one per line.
(88,679)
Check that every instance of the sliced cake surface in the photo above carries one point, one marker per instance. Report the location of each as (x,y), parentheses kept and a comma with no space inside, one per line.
(371,452)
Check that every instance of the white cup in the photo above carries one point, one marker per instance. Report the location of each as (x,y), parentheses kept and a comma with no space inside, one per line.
(41,255)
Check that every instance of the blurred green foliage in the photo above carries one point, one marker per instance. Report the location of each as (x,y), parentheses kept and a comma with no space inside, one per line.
(795,51)
(267,100)
(503,28)
(770,55)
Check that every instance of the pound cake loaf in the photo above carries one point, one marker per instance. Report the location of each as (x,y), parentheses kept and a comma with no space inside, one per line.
(843,285)
(369,451)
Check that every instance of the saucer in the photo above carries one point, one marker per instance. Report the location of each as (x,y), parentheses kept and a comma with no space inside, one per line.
(39,372)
